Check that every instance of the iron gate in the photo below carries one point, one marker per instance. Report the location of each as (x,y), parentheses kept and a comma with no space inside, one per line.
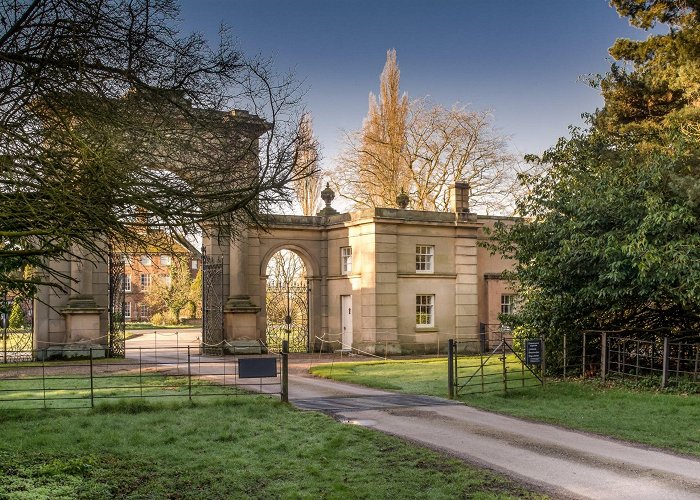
(117,299)
(287,307)
(212,305)
(16,329)
(502,368)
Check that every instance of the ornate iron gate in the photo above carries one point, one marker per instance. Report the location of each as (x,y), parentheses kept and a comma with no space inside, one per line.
(117,304)
(287,306)
(212,305)
(16,329)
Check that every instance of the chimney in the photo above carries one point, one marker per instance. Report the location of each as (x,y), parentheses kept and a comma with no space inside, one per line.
(459,197)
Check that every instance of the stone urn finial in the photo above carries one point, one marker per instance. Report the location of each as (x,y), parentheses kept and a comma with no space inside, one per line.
(327,195)
(402,200)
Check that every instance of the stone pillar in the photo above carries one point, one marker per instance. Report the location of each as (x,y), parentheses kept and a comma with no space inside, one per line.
(240,314)
(82,312)
(466,291)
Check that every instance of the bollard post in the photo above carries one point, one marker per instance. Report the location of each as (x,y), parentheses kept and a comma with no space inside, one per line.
(285,371)
(450,373)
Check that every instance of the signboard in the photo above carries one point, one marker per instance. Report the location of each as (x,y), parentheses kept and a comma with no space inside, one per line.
(5,306)
(533,352)
(257,367)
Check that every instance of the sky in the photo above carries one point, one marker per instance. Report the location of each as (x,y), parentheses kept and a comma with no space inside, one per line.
(522,60)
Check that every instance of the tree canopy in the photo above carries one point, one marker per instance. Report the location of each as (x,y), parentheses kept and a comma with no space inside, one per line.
(610,235)
(112,121)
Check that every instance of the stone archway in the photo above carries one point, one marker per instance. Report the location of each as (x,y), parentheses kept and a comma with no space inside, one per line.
(245,262)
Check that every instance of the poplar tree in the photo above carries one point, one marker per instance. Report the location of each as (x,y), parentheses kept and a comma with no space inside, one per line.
(308,177)
(420,148)
(375,168)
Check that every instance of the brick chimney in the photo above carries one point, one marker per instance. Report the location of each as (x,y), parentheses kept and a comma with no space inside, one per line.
(459,197)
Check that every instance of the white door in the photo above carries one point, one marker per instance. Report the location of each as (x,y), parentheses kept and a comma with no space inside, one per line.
(346,320)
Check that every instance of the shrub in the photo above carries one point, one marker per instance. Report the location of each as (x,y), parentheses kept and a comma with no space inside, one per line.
(157,319)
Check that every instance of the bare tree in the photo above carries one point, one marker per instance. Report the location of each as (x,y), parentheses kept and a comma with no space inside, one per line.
(112,121)
(286,268)
(448,145)
(308,182)
(421,148)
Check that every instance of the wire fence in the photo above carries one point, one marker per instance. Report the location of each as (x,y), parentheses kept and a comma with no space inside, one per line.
(173,372)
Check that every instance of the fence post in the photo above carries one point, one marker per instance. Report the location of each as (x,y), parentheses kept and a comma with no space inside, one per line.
(505,367)
(565,353)
(664,372)
(189,374)
(450,373)
(92,386)
(285,371)
(603,355)
(543,365)
(583,358)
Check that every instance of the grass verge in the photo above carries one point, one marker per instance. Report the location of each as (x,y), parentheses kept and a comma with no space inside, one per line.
(252,447)
(665,420)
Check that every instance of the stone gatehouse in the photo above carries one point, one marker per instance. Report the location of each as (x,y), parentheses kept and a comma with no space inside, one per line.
(381,279)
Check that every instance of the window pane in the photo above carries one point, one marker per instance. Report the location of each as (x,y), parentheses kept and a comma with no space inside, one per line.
(425,310)
(346,260)
(424,258)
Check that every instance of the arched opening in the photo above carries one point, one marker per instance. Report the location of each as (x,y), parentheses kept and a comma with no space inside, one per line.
(287,302)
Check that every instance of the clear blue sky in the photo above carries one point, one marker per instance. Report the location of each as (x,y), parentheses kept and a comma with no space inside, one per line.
(521,59)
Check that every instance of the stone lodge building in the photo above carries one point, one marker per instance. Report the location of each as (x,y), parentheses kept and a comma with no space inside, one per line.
(380,280)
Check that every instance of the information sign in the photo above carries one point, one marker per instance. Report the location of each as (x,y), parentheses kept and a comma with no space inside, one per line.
(533,352)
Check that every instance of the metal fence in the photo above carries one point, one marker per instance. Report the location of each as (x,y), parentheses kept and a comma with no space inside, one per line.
(502,368)
(172,372)
(635,357)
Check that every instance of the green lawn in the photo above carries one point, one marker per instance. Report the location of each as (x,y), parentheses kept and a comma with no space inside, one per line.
(660,419)
(240,447)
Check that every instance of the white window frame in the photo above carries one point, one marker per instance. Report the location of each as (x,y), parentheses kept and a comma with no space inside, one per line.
(127,310)
(166,260)
(145,281)
(425,259)
(127,282)
(144,310)
(195,264)
(346,260)
(146,260)
(425,311)
(167,280)
(507,303)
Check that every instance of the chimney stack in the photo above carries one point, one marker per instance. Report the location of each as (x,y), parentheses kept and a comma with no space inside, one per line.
(459,197)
